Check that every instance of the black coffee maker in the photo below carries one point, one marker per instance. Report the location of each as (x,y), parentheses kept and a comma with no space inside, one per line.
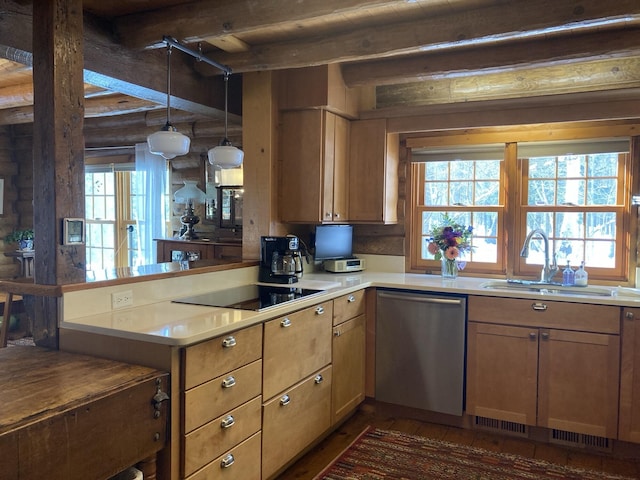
(279,259)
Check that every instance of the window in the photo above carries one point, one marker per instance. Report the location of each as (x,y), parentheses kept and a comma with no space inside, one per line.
(577,193)
(111,211)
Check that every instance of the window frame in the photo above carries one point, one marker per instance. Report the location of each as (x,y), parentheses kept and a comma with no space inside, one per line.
(513,223)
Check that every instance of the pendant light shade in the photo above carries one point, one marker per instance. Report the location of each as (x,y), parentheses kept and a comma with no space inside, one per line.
(168,142)
(225,155)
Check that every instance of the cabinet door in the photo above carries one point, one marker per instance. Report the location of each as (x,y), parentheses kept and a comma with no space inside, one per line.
(348,366)
(578,382)
(313,178)
(502,372)
(295,346)
(629,424)
(294,419)
(373,172)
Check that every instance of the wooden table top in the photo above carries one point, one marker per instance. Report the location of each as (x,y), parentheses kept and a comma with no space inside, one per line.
(37,383)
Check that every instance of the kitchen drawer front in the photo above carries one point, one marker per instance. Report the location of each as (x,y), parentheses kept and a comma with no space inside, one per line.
(545,314)
(295,346)
(291,421)
(348,306)
(210,400)
(220,435)
(240,463)
(222,354)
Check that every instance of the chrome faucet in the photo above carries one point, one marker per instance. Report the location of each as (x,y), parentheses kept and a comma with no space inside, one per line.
(549,269)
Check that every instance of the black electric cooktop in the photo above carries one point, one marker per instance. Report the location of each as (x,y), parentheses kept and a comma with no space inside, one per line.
(249,297)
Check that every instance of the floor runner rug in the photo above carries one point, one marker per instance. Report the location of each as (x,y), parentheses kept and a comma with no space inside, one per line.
(382,454)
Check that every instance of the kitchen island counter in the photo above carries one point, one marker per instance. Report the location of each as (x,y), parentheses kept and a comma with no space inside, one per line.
(159,320)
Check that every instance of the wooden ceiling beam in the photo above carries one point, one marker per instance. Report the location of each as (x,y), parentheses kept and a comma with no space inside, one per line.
(204,19)
(518,20)
(464,62)
(616,73)
(107,64)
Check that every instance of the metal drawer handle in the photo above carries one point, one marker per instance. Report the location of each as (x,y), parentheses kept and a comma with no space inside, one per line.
(227,422)
(629,315)
(319,379)
(544,335)
(285,400)
(319,310)
(337,333)
(227,461)
(532,335)
(228,382)
(285,323)
(351,299)
(538,306)
(229,342)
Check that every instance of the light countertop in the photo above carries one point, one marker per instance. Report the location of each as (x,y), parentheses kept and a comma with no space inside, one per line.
(174,324)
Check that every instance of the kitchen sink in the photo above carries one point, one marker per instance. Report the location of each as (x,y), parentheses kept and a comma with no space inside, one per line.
(551,288)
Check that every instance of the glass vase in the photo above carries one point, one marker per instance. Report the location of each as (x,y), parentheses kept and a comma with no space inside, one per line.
(449,268)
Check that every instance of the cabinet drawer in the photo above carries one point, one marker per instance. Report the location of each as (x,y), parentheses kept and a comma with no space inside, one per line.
(291,421)
(240,463)
(210,400)
(348,306)
(545,314)
(295,346)
(222,354)
(220,435)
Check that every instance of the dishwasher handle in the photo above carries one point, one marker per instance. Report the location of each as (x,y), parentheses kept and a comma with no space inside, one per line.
(420,298)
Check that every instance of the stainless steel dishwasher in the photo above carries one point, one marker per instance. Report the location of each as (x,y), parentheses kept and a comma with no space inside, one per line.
(420,350)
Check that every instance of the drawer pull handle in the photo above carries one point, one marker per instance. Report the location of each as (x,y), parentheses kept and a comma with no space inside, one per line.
(351,299)
(538,306)
(544,335)
(285,400)
(229,342)
(319,379)
(320,310)
(337,333)
(227,461)
(228,382)
(532,335)
(285,323)
(629,315)
(227,422)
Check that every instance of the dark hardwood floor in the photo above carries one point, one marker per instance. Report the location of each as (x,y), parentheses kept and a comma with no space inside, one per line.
(320,456)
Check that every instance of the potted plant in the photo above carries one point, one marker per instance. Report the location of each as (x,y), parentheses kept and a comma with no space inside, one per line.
(24,238)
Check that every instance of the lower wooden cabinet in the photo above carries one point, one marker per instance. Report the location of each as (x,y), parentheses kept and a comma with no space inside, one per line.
(549,377)
(348,366)
(292,420)
(629,423)
(240,463)
(220,435)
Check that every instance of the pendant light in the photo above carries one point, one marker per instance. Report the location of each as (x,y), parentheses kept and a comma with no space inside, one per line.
(225,155)
(168,142)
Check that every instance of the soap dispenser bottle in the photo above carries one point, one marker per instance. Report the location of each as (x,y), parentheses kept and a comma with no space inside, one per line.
(581,276)
(568,275)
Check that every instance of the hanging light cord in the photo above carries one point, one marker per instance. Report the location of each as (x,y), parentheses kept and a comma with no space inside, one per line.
(168,85)
(226,110)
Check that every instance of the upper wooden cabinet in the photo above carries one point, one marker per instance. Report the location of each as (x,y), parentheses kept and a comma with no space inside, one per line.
(313,178)
(319,87)
(373,172)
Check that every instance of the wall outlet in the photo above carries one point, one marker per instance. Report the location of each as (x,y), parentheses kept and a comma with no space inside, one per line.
(122,299)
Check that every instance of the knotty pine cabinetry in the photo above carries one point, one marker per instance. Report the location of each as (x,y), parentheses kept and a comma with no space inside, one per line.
(629,423)
(222,386)
(373,172)
(544,363)
(297,384)
(348,358)
(313,179)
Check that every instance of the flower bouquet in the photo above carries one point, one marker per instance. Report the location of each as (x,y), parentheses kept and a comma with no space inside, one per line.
(448,242)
